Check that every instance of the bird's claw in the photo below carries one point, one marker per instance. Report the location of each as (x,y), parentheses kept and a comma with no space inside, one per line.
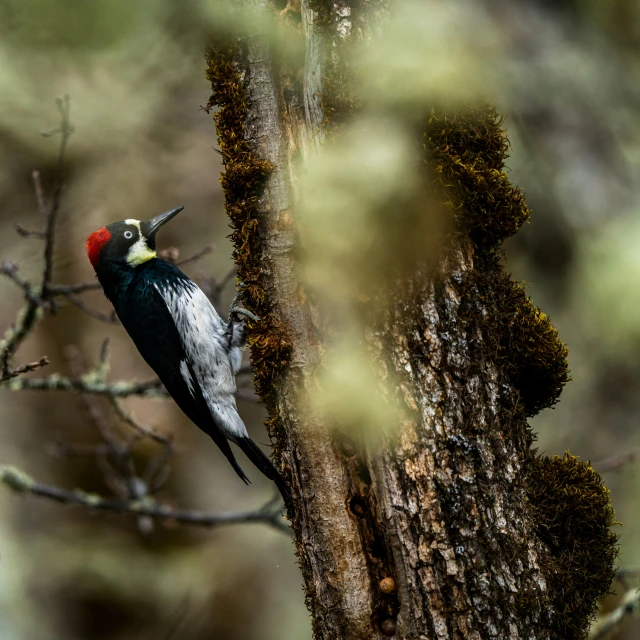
(243,312)
(239,311)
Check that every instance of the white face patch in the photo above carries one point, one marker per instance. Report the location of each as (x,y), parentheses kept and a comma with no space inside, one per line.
(133,222)
(139,252)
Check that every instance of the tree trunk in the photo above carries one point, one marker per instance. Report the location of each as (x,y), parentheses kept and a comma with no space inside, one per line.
(449,526)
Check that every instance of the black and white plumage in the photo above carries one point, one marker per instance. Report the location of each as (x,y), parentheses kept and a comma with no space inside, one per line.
(178,332)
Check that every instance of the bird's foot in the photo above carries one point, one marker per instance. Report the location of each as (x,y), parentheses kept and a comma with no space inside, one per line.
(239,311)
(240,287)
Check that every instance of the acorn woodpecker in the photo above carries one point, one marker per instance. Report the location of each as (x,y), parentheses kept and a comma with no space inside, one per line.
(179,333)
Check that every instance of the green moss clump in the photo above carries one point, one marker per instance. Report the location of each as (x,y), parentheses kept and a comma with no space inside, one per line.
(465,150)
(572,516)
(529,349)
(243,181)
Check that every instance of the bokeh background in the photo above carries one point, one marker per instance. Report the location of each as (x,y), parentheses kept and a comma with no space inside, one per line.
(562,72)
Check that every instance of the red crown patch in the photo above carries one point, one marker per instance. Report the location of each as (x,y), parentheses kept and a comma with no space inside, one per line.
(95,242)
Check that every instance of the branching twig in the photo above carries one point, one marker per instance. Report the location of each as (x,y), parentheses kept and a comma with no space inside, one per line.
(23,483)
(607,625)
(89,384)
(30,315)
(8,374)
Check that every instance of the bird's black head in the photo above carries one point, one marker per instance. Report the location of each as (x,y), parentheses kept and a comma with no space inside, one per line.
(126,244)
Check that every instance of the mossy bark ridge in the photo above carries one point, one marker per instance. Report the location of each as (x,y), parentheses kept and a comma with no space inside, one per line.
(451,527)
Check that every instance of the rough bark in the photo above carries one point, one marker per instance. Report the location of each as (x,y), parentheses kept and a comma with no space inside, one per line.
(431,534)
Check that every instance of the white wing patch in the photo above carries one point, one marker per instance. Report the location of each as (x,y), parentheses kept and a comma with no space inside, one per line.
(186,374)
(204,340)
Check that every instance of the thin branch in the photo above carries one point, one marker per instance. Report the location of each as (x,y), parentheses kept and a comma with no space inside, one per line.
(67,289)
(110,318)
(28,317)
(205,251)
(89,384)
(616,461)
(10,270)
(102,423)
(8,374)
(29,233)
(214,288)
(606,626)
(40,197)
(65,131)
(128,418)
(66,450)
(23,483)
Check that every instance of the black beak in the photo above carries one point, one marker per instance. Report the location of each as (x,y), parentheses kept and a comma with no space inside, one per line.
(150,227)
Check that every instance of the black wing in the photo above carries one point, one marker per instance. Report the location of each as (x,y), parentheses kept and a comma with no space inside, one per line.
(147,320)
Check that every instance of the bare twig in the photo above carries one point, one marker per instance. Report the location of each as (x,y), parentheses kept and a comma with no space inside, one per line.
(103,425)
(40,197)
(67,289)
(606,626)
(30,315)
(88,384)
(624,575)
(616,461)
(110,318)
(23,483)
(29,233)
(10,270)
(66,450)
(205,251)
(65,131)
(214,288)
(128,418)
(8,374)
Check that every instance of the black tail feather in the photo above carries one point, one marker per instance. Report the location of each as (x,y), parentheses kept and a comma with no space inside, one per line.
(223,443)
(262,462)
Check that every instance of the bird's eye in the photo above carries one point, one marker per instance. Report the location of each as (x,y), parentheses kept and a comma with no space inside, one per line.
(128,235)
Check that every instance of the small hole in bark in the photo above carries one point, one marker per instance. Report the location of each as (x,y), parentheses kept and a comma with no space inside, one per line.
(389,627)
(280,4)
(377,549)
(358,506)
(363,474)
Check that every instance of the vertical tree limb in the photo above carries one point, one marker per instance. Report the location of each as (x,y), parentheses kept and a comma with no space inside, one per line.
(439,531)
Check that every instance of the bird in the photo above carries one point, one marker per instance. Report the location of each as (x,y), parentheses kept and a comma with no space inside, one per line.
(179,333)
